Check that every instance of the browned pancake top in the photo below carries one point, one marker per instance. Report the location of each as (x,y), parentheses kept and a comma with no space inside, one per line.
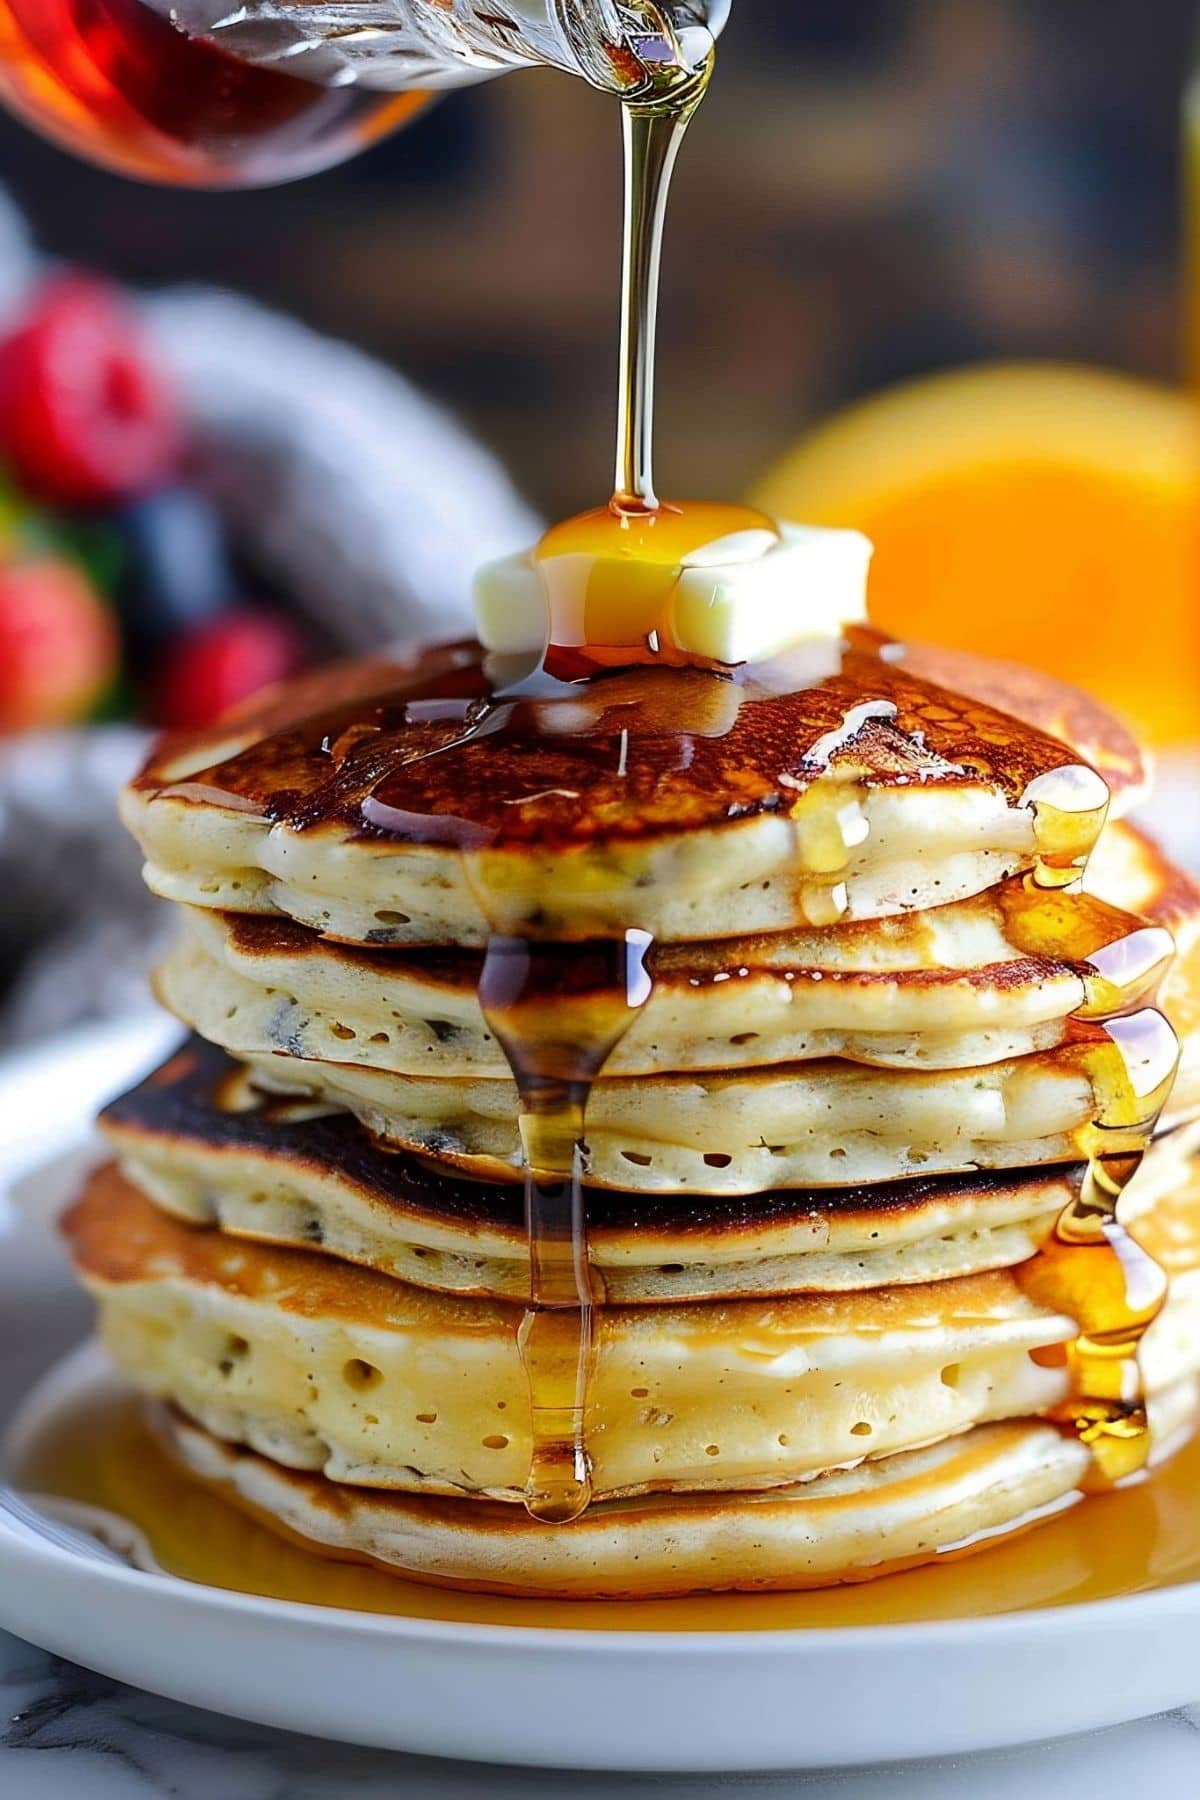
(421,751)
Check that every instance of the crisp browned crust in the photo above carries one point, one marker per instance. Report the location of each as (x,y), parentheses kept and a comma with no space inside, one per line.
(310,756)
(1042,701)
(118,1237)
(180,1106)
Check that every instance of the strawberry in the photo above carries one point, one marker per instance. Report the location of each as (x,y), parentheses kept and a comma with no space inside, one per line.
(210,668)
(58,644)
(86,417)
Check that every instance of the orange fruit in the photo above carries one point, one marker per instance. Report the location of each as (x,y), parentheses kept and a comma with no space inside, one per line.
(1046,513)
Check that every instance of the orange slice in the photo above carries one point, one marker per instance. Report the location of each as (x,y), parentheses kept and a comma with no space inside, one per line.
(1045,513)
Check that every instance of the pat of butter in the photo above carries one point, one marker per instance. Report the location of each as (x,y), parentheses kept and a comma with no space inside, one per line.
(739,599)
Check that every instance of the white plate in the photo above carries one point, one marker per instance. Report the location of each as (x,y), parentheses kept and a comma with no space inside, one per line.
(713,1701)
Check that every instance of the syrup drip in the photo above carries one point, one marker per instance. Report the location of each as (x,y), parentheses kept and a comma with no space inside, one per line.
(1091,1269)
(1118,972)
(1070,806)
(556,1053)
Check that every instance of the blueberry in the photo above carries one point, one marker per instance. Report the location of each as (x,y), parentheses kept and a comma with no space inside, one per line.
(176,570)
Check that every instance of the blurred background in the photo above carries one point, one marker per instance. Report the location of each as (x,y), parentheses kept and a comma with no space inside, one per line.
(874,189)
(876,192)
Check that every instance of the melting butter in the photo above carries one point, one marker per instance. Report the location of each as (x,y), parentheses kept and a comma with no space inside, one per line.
(698,584)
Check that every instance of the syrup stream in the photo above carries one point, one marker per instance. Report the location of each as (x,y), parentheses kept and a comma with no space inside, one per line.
(652,141)
(554,1074)
(653,128)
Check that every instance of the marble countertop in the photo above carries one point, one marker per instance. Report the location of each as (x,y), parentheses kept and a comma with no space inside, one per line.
(65,1730)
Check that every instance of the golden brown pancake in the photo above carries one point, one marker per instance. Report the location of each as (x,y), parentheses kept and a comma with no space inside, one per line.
(993,976)
(813,1124)
(399,802)
(199,1139)
(321,1365)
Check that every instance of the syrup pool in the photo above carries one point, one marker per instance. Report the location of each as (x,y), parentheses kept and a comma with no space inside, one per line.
(1143,1537)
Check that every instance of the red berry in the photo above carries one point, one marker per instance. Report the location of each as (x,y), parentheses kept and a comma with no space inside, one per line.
(58,644)
(86,418)
(210,669)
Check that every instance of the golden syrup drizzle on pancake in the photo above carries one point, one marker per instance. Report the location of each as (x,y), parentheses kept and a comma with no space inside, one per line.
(654,749)
(556,1052)
(632,753)
(1118,967)
(1070,806)
(1141,1538)
(1091,1269)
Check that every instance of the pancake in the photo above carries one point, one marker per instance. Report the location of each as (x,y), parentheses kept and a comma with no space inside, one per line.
(397,802)
(202,1142)
(326,1367)
(818,1124)
(848,1525)
(991,977)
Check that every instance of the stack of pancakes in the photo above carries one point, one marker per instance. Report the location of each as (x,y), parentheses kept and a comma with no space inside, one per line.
(823,1163)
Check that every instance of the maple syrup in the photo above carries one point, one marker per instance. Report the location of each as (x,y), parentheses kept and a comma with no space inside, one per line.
(609,574)
(1091,1269)
(555,1055)
(116,81)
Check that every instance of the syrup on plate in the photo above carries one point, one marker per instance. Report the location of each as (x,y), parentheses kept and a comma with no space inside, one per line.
(1140,1538)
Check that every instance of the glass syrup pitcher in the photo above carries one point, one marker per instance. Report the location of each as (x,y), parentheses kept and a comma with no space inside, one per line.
(220,94)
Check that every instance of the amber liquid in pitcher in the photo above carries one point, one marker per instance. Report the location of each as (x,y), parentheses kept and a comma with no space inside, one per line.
(118,83)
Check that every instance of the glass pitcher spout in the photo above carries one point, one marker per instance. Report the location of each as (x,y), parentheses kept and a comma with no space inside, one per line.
(393,45)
